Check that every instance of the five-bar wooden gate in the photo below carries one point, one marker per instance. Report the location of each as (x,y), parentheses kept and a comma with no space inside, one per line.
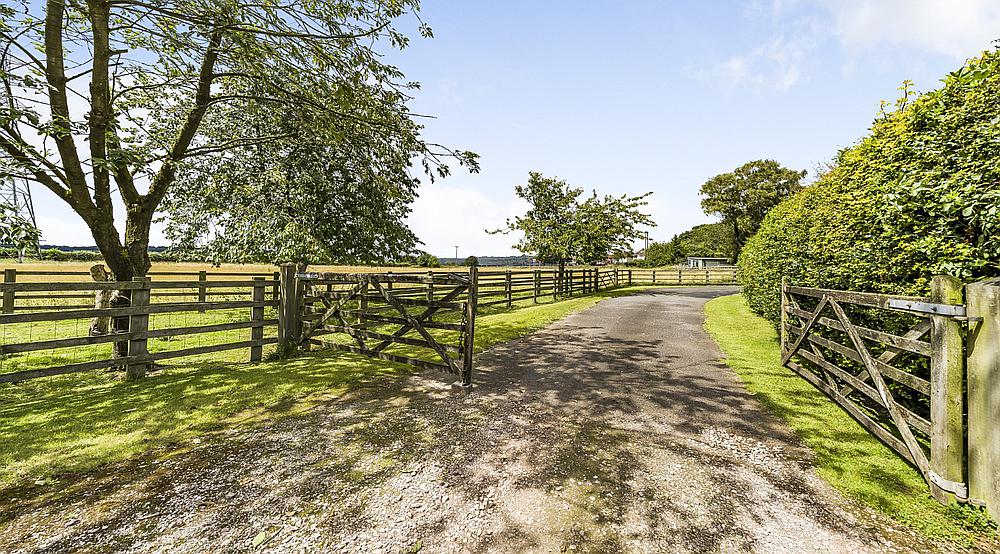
(894,363)
(386,320)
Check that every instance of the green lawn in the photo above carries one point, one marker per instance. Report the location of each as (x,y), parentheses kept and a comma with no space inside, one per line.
(79,421)
(847,457)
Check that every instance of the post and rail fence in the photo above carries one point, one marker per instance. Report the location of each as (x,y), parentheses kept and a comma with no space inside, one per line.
(922,374)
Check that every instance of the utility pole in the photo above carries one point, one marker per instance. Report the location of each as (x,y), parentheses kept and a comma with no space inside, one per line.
(647,242)
(456,252)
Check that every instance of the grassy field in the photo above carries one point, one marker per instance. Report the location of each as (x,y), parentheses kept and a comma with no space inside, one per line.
(79,421)
(847,456)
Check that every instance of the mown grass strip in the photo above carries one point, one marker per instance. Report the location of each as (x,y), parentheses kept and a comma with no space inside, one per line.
(847,457)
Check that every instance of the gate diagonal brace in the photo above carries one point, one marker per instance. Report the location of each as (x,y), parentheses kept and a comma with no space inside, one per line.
(332,311)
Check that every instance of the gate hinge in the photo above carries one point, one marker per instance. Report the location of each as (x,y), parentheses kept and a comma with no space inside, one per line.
(956,311)
(960,490)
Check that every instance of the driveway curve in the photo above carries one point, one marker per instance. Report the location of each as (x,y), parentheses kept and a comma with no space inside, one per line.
(617,429)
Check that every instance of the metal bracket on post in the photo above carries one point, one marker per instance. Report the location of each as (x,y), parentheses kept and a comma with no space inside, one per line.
(960,490)
(956,311)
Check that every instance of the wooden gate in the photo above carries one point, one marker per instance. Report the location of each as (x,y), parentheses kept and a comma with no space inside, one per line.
(382,312)
(894,363)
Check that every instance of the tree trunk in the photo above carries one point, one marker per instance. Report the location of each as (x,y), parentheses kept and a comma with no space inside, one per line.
(126,262)
(102,300)
(737,240)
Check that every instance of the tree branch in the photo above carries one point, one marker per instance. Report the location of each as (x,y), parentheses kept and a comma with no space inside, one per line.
(55,74)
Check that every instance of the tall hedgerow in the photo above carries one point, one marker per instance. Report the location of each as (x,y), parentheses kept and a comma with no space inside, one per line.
(918,196)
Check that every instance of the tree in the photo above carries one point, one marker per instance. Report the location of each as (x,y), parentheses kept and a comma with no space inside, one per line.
(150,74)
(471,261)
(659,254)
(743,197)
(425,259)
(315,197)
(17,232)
(559,228)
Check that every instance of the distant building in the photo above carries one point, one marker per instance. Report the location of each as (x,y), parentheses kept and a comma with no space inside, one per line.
(702,263)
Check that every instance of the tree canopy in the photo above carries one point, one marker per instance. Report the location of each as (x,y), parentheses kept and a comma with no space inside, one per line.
(918,196)
(559,227)
(712,240)
(744,196)
(123,97)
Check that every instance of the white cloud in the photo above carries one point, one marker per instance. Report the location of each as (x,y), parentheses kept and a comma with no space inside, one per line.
(444,216)
(776,64)
(956,28)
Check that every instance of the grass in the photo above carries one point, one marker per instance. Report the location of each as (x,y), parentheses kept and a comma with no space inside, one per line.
(80,421)
(846,455)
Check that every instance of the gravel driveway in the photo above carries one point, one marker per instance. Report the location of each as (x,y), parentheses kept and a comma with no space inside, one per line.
(616,429)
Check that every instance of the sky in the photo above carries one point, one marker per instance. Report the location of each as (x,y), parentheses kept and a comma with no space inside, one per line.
(628,97)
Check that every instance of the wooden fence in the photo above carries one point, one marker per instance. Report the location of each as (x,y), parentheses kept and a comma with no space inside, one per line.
(216,307)
(899,366)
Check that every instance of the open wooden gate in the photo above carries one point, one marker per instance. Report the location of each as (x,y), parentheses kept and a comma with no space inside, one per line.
(894,363)
(425,320)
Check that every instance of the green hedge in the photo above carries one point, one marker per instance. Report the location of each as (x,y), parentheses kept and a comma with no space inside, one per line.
(920,195)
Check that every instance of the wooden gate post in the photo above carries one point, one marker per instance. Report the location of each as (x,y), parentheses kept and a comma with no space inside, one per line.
(257,319)
(784,315)
(9,276)
(983,300)
(538,286)
(470,326)
(202,292)
(506,286)
(947,378)
(138,326)
(289,323)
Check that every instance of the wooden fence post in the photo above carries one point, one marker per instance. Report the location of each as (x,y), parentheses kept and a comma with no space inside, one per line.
(257,317)
(138,326)
(983,300)
(784,315)
(538,286)
(947,378)
(470,326)
(9,276)
(654,276)
(276,288)
(506,286)
(289,326)
(630,277)
(202,291)
(708,277)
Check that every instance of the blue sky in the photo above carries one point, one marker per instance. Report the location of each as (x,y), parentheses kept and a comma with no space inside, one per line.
(629,97)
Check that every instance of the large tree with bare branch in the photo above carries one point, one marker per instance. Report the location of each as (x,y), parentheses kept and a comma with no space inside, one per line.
(112,97)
